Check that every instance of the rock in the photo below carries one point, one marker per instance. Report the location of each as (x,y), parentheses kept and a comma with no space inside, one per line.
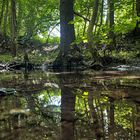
(7,91)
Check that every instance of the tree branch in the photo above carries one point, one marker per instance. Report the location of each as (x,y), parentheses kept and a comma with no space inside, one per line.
(78,14)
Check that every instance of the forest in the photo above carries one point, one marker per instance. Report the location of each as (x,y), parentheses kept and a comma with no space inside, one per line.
(69,69)
(66,34)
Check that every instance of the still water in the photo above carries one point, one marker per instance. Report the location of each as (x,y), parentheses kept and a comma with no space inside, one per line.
(70,105)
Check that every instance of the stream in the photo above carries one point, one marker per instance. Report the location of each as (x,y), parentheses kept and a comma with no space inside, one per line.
(88,105)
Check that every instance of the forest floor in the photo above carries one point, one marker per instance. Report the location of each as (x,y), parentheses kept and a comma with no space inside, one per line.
(46,55)
(39,58)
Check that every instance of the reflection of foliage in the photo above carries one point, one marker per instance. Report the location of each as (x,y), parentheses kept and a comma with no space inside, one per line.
(124,114)
(48,104)
(40,95)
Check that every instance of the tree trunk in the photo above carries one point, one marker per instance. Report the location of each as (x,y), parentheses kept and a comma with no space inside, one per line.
(87,14)
(102,12)
(1,16)
(90,29)
(19,16)
(107,13)
(111,20)
(138,7)
(13,27)
(138,14)
(5,18)
(66,30)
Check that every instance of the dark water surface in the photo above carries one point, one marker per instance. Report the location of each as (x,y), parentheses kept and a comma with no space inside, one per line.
(70,105)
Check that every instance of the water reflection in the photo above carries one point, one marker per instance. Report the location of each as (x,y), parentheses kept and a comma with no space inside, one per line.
(69,106)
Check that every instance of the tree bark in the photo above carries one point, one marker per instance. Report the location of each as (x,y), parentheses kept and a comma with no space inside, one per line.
(138,14)
(13,27)
(2,13)
(66,28)
(5,18)
(91,27)
(85,24)
(102,12)
(111,20)
(138,7)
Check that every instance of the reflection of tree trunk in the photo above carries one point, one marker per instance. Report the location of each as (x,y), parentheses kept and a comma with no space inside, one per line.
(96,125)
(138,122)
(67,114)
(86,110)
(102,119)
(17,102)
(112,124)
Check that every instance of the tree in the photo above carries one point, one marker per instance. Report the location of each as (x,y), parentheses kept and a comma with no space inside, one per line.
(111,20)
(138,12)
(5,18)
(138,8)
(90,29)
(102,12)
(28,17)
(13,27)
(66,31)
(66,28)
(1,14)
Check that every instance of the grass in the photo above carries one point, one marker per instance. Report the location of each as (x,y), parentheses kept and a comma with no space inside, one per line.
(35,59)
(5,58)
(38,58)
